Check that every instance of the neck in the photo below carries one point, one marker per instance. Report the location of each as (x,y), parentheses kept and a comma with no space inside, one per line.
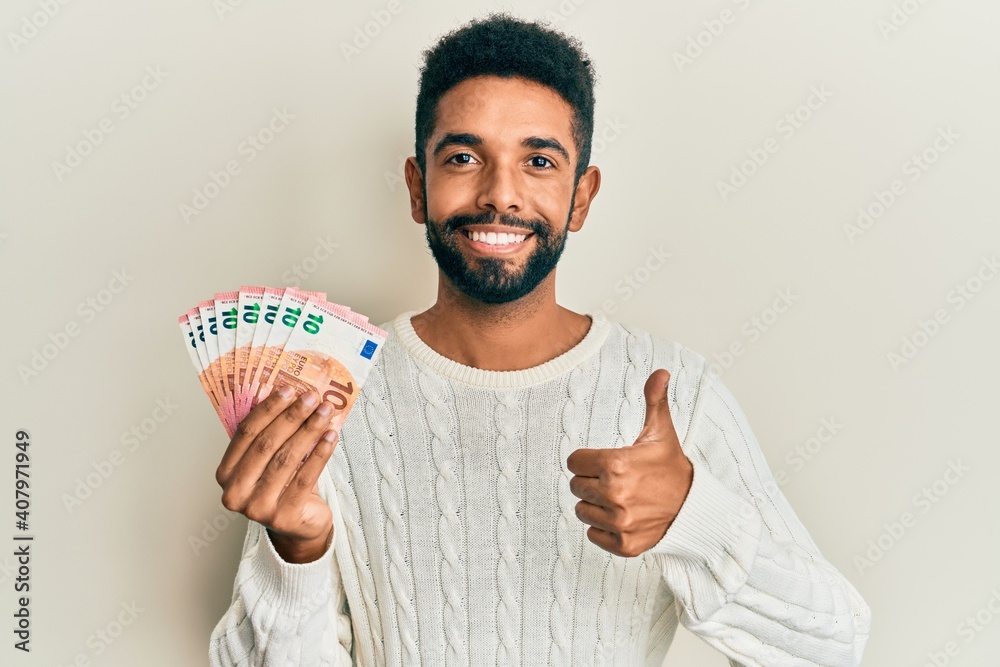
(500,337)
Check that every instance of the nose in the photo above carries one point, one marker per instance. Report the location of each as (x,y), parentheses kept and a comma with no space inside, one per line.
(500,189)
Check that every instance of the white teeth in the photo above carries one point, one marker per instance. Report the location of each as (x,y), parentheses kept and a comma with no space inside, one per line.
(494,238)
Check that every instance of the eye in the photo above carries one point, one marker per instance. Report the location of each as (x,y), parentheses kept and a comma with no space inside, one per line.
(460,155)
(541,157)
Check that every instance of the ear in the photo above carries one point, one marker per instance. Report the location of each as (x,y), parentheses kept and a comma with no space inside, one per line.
(586,190)
(415,184)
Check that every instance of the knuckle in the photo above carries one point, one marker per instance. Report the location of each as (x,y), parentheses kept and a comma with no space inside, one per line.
(281,457)
(615,465)
(263,443)
(255,512)
(318,420)
(231,501)
(294,413)
(244,429)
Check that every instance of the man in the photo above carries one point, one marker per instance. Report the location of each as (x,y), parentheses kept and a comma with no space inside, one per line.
(518,483)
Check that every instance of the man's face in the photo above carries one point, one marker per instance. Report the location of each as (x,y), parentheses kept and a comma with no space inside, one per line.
(500,161)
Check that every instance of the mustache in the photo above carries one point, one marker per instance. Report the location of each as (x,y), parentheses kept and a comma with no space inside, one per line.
(492,218)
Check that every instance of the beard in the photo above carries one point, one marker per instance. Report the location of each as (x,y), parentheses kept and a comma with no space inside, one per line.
(494,280)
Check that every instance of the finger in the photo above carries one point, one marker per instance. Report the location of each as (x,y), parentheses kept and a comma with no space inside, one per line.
(250,427)
(659,424)
(258,453)
(587,462)
(286,460)
(596,516)
(609,541)
(589,489)
(306,479)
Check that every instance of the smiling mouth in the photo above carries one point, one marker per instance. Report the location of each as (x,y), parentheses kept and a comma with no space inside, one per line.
(496,239)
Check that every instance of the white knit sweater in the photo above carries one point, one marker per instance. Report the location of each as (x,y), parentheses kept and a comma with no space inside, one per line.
(456,540)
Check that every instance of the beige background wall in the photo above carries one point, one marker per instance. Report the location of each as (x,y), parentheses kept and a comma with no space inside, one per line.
(883,83)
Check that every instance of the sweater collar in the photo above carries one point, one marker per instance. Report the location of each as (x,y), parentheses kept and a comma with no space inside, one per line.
(549,370)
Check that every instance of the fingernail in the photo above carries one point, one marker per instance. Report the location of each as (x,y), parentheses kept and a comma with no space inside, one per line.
(310,399)
(285,391)
(330,436)
(324,410)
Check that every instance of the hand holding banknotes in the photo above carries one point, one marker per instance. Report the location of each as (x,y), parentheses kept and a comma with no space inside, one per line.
(262,478)
(267,357)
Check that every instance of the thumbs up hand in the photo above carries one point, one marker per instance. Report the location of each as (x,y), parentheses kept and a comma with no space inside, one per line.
(630,495)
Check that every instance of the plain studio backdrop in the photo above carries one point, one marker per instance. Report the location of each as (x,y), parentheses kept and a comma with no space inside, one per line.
(805,193)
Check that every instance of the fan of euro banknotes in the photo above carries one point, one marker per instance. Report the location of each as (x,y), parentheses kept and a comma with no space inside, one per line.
(245,343)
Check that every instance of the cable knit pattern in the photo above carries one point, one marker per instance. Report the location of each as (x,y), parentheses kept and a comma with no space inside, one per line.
(450,529)
(456,540)
(640,607)
(631,410)
(358,546)
(567,539)
(507,420)
(381,423)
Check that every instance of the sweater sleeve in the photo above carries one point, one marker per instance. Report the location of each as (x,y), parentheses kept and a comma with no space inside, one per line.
(747,576)
(284,613)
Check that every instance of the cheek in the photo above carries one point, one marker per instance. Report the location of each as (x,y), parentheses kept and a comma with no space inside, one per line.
(552,203)
(446,196)
(550,198)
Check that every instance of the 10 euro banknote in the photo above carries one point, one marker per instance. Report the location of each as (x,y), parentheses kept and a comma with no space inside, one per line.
(245,343)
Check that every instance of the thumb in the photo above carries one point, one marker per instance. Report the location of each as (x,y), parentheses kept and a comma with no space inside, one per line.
(659,425)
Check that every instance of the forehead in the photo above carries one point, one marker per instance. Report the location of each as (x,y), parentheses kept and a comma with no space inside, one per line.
(504,108)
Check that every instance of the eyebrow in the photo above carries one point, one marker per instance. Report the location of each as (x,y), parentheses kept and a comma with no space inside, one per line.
(467,139)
